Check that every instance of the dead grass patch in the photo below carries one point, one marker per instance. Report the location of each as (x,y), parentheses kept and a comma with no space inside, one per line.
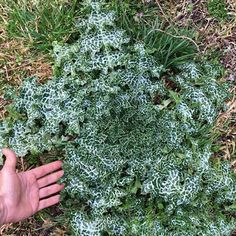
(226,125)
(17,62)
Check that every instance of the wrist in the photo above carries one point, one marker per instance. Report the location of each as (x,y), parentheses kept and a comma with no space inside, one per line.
(3,212)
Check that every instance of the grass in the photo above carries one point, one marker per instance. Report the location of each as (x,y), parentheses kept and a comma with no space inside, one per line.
(177,32)
(40,22)
(171,45)
(218,9)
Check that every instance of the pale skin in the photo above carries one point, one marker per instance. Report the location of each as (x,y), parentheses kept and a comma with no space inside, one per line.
(25,193)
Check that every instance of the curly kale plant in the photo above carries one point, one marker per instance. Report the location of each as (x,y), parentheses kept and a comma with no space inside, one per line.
(136,144)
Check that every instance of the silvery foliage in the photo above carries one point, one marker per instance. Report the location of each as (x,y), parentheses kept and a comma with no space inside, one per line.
(135,166)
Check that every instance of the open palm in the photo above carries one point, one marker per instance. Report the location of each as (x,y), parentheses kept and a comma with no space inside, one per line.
(25,193)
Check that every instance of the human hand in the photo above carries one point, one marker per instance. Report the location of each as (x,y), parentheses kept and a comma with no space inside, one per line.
(25,193)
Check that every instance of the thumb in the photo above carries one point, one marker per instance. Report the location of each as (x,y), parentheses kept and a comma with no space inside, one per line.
(10,163)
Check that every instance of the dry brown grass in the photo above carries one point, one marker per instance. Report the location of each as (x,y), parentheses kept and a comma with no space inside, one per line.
(226,125)
(211,34)
(33,227)
(17,61)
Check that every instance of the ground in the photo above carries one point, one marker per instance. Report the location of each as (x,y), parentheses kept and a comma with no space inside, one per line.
(214,24)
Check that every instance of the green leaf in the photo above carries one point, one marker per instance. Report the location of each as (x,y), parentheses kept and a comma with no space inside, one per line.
(137,186)
(175,96)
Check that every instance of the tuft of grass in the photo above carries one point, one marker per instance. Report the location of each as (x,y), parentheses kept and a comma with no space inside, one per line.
(218,9)
(172,45)
(40,22)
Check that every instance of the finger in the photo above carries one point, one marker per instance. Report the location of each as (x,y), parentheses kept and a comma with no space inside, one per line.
(50,179)
(46,169)
(48,202)
(10,163)
(47,191)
